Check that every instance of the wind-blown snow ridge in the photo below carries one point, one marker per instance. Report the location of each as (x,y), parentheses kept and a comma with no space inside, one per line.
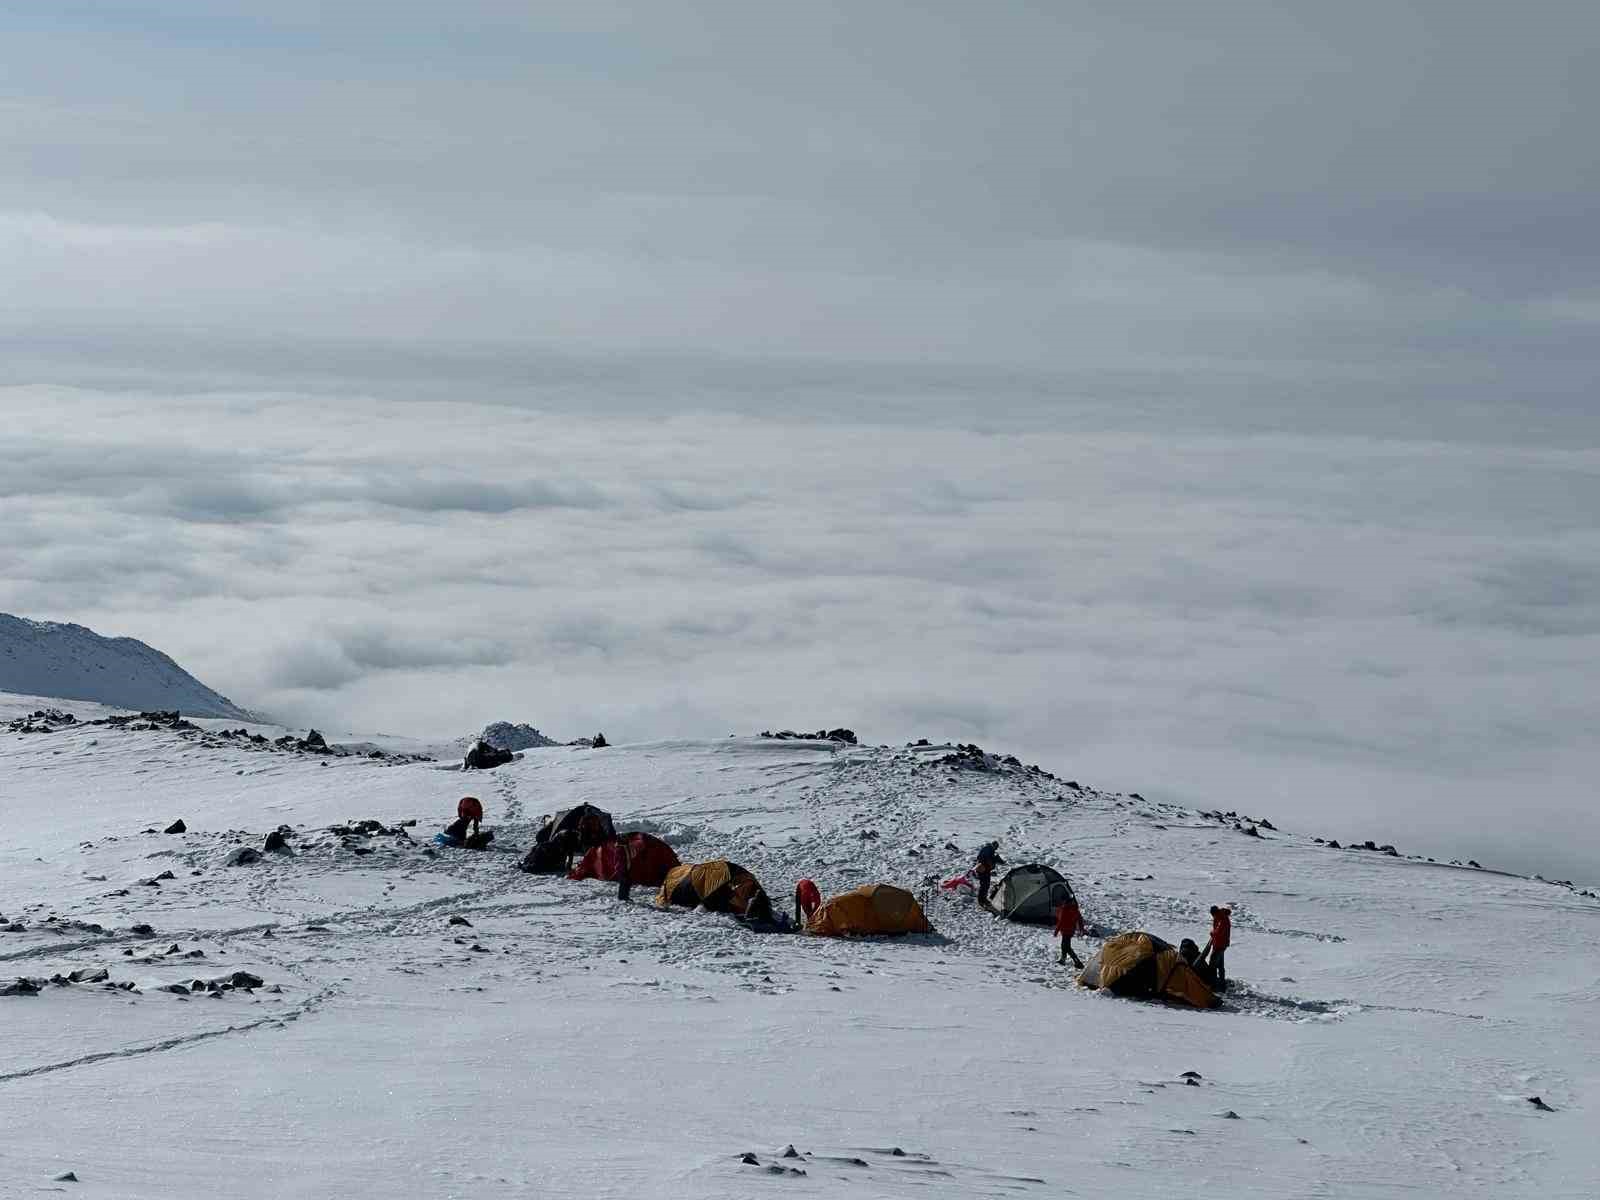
(71,662)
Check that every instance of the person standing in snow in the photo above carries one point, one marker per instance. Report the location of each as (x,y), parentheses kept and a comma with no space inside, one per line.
(1069,920)
(983,869)
(624,871)
(1221,938)
(807,899)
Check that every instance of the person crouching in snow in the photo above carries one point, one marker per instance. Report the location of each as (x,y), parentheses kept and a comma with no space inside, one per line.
(807,899)
(1069,920)
(469,817)
(983,871)
(1221,939)
(1190,953)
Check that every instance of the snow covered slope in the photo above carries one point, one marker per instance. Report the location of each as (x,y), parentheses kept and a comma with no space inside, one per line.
(46,658)
(1390,1021)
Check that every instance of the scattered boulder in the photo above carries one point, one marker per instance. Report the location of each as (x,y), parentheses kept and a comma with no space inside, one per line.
(599,742)
(484,757)
(176,827)
(275,843)
(141,930)
(1538,1102)
(243,979)
(66,1177)
(90,975)
(243,857)
(21,986)
(459,920)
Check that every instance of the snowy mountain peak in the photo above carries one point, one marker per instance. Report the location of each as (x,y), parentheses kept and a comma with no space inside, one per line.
(71,662)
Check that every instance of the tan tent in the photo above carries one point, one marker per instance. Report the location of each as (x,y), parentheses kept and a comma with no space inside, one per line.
(1141,964)
(874,909)
(719,886)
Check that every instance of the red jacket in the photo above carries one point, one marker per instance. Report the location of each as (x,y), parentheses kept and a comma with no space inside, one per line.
(809,897)
(1221,929)
(1069,919)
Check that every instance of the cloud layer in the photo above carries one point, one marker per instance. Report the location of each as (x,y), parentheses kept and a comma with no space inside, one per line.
(1358,634)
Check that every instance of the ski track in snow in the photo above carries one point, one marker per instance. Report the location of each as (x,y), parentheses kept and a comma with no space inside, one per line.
(1352,1046)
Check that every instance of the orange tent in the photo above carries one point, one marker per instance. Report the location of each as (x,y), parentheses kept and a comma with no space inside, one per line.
(649,860)
(1141,964)
(877,908)
(718,885)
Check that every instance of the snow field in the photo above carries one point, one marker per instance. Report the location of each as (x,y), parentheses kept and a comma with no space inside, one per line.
(1389,1021)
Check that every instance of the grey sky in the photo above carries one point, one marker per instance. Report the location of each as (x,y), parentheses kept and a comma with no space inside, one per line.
(1198,398)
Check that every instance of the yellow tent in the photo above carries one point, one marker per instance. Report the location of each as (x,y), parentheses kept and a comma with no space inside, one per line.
(1140,964)
(718,885)
(874,908)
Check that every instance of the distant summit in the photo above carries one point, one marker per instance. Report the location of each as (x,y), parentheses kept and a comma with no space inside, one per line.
(69,662)
(503,735)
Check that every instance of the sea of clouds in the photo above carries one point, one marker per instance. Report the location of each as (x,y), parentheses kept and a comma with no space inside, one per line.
(1386,636)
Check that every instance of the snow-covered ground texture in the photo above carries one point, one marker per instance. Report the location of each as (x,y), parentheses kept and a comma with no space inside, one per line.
(53,659)
(1390,1021)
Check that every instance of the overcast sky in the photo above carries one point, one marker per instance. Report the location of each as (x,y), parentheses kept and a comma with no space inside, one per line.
(1199,399)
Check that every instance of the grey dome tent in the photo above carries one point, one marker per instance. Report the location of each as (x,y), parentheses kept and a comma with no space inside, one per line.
(1033,893)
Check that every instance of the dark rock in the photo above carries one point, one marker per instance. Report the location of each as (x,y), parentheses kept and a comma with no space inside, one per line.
(750,1160)
(1334,845)
(1266,824)
(244,856)
(90,975)
(459,920)
(484,757)
(1191,1075)
(1538,1102)
(166,875)
(314,741)
(360,850)
(1229,1115)
(14,927)
(896,1152)
(790,1152)
(20,987)
(66,1177)
(1472,862)
(275,843)
(1252,831)
(599,742)
(177,827)
(243,979)
(141,930)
